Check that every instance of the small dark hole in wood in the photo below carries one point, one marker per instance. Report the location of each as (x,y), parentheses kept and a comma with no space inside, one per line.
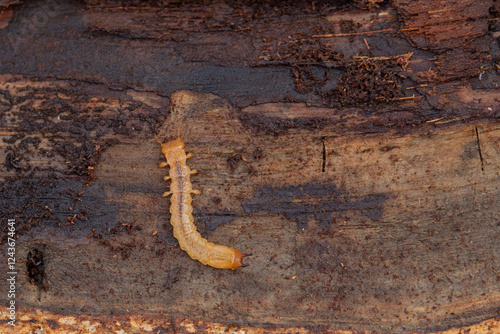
(35,268)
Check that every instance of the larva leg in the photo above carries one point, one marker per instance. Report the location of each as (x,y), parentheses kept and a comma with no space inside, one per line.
(163,164)
(197,192)
(194,171)
(189,155)
(166,178)
(166,193)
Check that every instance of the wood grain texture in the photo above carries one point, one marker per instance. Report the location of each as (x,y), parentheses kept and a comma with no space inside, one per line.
(55,323)
(354,150)
(344,227)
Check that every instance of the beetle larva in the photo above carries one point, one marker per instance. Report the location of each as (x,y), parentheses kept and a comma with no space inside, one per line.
(190,240)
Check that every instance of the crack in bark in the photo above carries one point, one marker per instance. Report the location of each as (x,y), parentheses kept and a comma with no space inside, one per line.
(323,167)
(479,149)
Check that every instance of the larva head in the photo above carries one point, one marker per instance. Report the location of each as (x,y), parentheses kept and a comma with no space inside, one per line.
(174,150)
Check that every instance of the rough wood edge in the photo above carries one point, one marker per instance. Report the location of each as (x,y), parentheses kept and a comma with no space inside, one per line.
(32,320)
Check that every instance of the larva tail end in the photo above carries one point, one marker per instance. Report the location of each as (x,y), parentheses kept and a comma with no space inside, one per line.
(237,263)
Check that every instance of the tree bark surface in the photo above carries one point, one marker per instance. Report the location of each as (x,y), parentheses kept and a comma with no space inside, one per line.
(352,148)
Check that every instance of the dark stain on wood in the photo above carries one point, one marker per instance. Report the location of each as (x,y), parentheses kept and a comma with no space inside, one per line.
(209,222)
(302,203)
(54,203)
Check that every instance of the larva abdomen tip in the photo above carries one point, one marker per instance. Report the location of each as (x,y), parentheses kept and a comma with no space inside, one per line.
(237,263)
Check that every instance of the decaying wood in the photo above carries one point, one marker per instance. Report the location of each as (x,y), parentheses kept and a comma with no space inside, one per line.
(56,323)
(353,150)
(334,222)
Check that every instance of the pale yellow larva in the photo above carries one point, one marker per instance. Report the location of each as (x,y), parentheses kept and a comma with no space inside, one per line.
(190,240)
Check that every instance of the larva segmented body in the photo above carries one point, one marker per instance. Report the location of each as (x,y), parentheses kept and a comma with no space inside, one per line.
(190,240)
